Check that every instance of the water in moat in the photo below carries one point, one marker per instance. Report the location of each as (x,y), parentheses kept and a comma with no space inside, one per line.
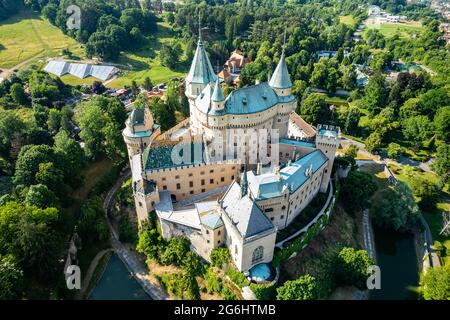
(117,283)
(397,259)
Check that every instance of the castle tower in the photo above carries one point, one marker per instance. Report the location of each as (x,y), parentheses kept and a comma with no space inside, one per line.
(327,140)
(217,98)
(281,81)
(140,130)
(201,72)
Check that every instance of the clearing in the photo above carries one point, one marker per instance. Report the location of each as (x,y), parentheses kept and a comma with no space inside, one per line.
(26,36)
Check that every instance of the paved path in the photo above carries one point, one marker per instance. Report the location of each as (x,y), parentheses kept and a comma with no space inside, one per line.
(369,242)
(136,267)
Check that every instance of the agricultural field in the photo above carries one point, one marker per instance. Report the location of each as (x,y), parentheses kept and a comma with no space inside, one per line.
(26,37)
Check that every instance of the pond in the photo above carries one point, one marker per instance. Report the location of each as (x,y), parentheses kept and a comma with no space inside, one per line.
(117,283)
(397,259)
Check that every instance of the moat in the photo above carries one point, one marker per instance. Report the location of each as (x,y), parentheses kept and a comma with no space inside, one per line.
(397,259)
(117,283)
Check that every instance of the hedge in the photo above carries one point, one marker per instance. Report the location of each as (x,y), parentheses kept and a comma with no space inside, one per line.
(264,291)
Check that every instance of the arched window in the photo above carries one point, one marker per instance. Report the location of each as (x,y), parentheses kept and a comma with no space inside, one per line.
(257,254)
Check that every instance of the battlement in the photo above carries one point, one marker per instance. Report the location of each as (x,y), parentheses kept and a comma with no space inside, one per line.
(327,132)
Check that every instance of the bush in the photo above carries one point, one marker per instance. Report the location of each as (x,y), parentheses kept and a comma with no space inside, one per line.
(126,230)
(237,277)
(304,288)
(351,267)
(227,294)
(263,291)
(219,256)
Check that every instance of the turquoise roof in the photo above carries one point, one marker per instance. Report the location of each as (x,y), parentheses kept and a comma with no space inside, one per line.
(212,220)
(293,176)
(217,94)
(298,143)
(328,133)
(201,70)
(280,78)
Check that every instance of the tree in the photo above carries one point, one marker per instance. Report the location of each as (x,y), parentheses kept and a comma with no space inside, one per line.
(375,94)
(30,233)
(71,157)
(134,88)
(442,124)
(314,109)
(348,78)
(148,84)
(353,196)
(28,162)
(427,190)
(351,267)
(163,114)
(325,74)
(170,54)
(435,283)
(441,163)
(396,208)
(91,219)
(98,87)
(373,142)
(40,196)
(304,288)
(149,242)
(176,251)
(417,129)
(11,278)
(219,256)
(394,150)
(352,151)
(18,94)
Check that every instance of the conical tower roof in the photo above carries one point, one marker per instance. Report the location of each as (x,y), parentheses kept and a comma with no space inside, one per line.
(217,93)
(280,78)
(201,69)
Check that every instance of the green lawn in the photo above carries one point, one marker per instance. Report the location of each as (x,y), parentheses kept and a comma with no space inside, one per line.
(405,28)
(75,81)
(26,36)
(347,20)
(146,63)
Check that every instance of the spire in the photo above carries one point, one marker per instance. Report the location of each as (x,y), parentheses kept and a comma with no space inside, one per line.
(199,29)
(201,69)
(280,78)
(244,182)
(217,95)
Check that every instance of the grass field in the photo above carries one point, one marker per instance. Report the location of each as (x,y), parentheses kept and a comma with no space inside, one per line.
(347,20)
(405,29)
(26,36)
(146,63)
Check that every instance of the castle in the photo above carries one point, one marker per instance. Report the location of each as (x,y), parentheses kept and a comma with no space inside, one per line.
(188,178)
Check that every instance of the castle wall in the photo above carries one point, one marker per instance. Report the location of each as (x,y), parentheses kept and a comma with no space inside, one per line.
(185,181)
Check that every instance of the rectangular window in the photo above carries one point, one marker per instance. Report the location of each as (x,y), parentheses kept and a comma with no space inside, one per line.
(177,177)
(211,181)
(178,186)
(203,182)
(164,187)
(191,184)
(222,179)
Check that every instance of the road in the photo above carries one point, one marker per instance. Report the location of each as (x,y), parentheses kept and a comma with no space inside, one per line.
(136,267)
